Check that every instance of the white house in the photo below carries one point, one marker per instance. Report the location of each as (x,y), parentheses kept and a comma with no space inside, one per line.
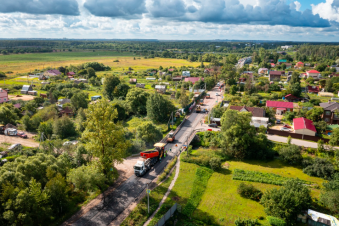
(263,71)
(286,47)
(160,88)
(186,74)
(259,121)
(314,74)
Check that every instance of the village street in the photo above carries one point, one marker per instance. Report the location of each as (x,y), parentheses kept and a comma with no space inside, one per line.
(125,194)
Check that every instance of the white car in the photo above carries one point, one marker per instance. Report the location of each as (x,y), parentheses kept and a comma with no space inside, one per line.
(217,94)
(285,129)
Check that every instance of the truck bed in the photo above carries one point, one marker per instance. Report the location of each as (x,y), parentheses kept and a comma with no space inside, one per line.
(149,154)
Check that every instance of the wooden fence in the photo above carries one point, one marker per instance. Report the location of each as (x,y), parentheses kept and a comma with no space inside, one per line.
(296,136)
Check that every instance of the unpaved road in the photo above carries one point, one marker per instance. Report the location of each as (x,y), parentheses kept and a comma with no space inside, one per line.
(18,140)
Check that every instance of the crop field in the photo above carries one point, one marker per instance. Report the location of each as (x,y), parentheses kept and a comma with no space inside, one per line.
(220,203)
(23,63)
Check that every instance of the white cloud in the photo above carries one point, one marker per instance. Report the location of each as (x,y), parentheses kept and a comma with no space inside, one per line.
(327,10)
(297,5)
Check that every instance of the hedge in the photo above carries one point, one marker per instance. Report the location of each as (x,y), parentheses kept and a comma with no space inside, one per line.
(274,221)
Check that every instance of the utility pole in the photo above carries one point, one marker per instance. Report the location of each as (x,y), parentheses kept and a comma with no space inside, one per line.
(147,198)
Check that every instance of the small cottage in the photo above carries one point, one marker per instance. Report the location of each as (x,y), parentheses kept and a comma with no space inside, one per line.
(26,88)
(94,98)
(161,88)
(140,85)
(304,126)
(3,96)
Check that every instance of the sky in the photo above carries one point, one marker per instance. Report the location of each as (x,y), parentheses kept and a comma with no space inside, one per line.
(286,20)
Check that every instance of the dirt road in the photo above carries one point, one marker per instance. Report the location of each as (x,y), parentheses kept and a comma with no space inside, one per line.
(18,140)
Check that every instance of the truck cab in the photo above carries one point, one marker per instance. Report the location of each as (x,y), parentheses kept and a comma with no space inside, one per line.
(171,137)
(140,168)
(198,109)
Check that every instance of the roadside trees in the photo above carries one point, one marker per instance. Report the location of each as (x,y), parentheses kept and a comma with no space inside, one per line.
(104,138)
(109,85)
(149,133)
(184,100)
(159,108)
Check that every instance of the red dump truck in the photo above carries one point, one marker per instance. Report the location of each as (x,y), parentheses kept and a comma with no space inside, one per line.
(150,159)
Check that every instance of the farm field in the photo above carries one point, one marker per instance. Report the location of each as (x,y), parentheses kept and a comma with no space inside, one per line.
(23,63)
(220,203)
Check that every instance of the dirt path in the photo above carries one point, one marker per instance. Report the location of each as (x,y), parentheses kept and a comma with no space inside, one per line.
(18,140)
(177,170)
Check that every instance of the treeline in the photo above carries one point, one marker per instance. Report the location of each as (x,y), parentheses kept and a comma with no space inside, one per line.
(317,53)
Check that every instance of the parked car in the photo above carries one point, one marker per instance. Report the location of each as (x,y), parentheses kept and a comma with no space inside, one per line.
(217,94)
(278,121)
(14,147)
(22,135)
(214,125)
(285,129)
(287,126)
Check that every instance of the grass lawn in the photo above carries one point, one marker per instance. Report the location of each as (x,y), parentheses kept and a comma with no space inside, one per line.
(23,63)
(221,203)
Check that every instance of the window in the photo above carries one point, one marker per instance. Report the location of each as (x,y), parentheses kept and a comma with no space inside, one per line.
(328,113)
(327,119)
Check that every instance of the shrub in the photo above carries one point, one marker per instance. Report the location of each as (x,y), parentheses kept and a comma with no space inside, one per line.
(320,168)
(291,154)
(274,221)
(215,163)
(168,169)
(246,222)
(249,191)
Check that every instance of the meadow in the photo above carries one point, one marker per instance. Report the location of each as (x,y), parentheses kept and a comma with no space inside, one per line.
(24,63)
(220,203)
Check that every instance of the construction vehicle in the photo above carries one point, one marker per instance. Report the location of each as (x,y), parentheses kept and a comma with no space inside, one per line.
(208,96)
(198,109)
(201,101)
(171,137)
(150,159)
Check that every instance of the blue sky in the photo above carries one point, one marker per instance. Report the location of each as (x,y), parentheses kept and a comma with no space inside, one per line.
(290,20)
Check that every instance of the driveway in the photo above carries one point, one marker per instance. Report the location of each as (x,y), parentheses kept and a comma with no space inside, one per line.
(293,141)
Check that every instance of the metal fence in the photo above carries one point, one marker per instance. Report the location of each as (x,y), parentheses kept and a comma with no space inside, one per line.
(167,215)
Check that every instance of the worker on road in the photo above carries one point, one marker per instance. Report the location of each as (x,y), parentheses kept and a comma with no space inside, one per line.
(164,154)
(170,150)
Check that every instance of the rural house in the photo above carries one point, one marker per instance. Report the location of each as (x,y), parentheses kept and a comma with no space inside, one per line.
(177,79)
(140,85)
(331,112)
(71,73)
(258,115)
(3,96)
(275,75)
(161,88)
(94,98)
(313,74)
(42,77)
(272,64)
(299,65)
(51,73)
(133,81)
(61,102)
(263,71)
(288,65)
(193,79)
(256,112)
(66,111)
(313,89)
(282,61)
(304,126)
(186,74)
(26,88)
(279,106)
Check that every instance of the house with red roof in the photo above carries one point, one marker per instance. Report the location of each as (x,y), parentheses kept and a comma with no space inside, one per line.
(193,79)
(51,73)
(71,73)
(314,74)
(299,65)
(272,65)
(313,89)
(171,69)
(304,126)
(291,98)
(279,106)
(3,96)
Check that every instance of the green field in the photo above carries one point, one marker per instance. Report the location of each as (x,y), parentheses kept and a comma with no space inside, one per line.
(24,63)
(221,204)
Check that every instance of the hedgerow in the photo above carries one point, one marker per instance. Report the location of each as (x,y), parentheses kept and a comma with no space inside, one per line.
(267,178)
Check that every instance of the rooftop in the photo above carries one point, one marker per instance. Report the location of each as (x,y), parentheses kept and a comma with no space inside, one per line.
(303,123)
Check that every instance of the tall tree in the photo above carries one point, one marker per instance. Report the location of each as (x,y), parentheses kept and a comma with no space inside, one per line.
(79,100)
(148,132)
(137,99)
(159,108)
(105,138)
(110,82)
(184,100)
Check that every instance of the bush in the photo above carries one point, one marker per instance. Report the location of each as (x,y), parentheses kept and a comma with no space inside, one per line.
(291,154)
(215,163)
(168,169)
(246,222)
(249,191)
(274,221)
(320,168)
